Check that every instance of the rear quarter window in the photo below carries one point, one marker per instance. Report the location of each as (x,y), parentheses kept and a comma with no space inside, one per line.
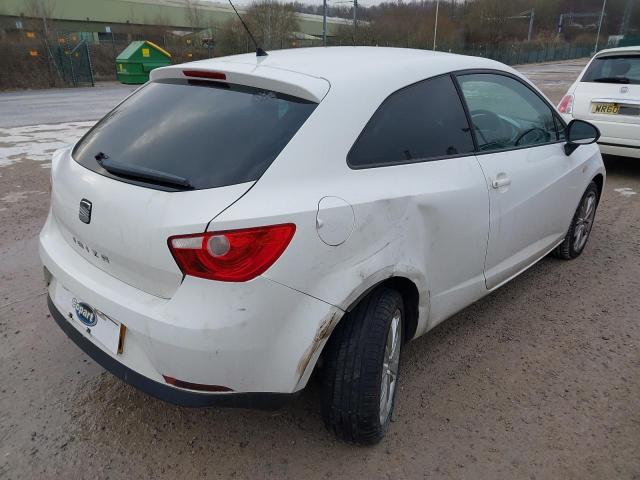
(212,134)
(421,122)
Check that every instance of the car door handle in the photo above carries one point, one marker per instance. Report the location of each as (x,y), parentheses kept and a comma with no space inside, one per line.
(501,182)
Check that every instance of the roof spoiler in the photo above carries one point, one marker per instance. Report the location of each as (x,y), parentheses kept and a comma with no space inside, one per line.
(295,84)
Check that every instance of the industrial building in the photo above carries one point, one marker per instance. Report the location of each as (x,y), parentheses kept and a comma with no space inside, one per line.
(101,20)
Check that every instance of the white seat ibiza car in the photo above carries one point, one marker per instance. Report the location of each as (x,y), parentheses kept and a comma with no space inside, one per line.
(607,93)
(235,220)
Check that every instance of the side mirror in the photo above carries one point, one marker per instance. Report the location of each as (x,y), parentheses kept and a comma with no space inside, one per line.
(579,133)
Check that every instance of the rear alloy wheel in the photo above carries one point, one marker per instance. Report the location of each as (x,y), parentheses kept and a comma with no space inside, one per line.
(390,366)
(360,375)
(578,234)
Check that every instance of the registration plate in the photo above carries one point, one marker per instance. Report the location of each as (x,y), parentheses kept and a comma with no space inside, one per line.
(95,323)
(605,108)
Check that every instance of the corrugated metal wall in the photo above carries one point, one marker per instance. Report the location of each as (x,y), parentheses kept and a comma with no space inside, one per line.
(94,15)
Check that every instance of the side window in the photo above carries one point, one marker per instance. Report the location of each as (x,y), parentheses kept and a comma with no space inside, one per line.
(505,113)
(423,121)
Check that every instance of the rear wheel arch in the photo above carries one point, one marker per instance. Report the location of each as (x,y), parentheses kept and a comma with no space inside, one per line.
(410,296)
(409,292)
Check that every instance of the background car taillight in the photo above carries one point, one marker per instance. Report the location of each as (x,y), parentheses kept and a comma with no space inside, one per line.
(566,104)
(232,255)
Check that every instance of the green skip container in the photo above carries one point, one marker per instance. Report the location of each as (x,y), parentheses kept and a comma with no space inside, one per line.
(138,59)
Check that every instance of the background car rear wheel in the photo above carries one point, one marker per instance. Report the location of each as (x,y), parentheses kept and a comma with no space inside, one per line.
(581,225)
(360,375)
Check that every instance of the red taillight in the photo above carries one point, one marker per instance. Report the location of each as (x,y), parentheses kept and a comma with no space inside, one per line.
(233,255)
(205,74)
(566,104)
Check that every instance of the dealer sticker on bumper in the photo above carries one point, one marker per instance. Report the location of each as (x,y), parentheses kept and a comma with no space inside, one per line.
(95,323)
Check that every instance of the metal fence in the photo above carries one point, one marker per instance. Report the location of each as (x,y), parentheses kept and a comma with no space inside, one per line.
(515,54)
(74,65)
(39,61)
(524,53)
(512,54)
(36,60)
(629,42)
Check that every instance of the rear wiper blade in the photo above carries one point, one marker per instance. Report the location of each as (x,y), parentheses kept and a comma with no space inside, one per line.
(612,80)
(142,173)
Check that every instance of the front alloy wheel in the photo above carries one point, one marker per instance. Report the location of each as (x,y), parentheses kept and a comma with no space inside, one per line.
(580,228)
(586,214)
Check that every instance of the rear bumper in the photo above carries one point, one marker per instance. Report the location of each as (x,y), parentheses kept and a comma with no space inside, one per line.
(618,146)
(256,336)
(186,398)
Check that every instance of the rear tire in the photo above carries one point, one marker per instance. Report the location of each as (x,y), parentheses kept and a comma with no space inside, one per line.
(359,379)
(581,224)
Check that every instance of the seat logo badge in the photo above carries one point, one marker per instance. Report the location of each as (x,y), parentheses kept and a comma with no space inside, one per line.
(624,89)
(85,211)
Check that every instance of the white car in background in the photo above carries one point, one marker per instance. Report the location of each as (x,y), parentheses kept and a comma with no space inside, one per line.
(235,220)
(607,94)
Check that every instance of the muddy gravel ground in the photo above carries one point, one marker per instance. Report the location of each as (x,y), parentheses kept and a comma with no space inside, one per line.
(541,379)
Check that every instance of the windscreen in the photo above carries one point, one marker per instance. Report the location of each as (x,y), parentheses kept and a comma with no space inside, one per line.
(210,134)
(624,69)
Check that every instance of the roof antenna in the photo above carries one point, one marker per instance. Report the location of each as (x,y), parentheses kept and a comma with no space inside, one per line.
(259,51)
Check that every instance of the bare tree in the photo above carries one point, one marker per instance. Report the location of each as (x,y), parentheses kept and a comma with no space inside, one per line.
(42,10)
(272,23)
(231,38)
(193,15)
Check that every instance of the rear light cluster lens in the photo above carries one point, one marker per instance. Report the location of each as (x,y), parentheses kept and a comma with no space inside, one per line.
(233,255)
(566,104)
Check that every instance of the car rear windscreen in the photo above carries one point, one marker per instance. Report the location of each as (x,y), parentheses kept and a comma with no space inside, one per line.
(208,133)
(621,69)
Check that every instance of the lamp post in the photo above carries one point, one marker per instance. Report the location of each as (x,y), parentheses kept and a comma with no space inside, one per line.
(435,28)
(324,23)
(355,20)
(604,4)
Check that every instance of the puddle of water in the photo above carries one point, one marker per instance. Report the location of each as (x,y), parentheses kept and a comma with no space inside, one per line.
(38,142)
(625,191)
